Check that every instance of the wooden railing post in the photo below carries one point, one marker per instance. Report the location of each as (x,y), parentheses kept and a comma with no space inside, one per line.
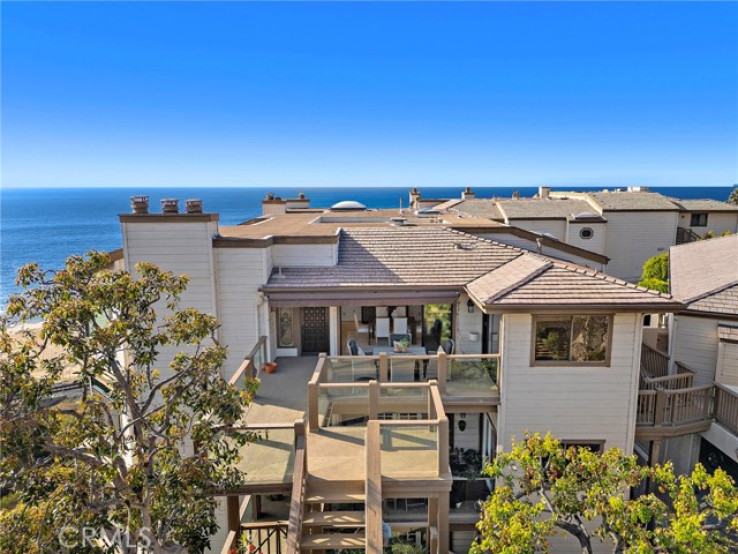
(373,399)
(442,372)
(432,412)
(443,447)
(233,511)
(373,490)
(313,415)
(660,408)
(383,368)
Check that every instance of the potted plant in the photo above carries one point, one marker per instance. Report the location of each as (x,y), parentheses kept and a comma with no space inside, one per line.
(270,367)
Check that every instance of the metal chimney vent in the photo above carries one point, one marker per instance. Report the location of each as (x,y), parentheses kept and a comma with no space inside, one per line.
(170,205)
(140,204)
(193,206)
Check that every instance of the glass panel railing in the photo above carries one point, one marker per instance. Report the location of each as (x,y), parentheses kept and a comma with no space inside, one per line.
(467,495)
(471,376)
(404,369)
(343,405)
(409,451)
(351,369)
(402,402)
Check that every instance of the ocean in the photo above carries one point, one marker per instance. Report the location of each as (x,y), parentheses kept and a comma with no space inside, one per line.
(47,225)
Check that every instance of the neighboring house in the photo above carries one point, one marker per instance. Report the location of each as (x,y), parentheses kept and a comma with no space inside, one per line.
(410,347)
(626,225)
(704,340)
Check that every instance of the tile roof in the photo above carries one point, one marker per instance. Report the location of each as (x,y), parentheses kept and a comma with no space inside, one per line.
(478,207)
(728,332)
(494,273)
(722,302)
(402,256)
(615,201)
(704,205)
(702,274)
(542,209)
(561,284)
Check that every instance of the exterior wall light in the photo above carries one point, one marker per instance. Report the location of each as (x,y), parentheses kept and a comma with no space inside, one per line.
(470,306)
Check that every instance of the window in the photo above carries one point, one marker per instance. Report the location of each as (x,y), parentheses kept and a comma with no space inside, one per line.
(285,328)
(698,220)
(580,339)
(586,233)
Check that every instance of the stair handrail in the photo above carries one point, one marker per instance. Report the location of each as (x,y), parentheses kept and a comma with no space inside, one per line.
(299,488)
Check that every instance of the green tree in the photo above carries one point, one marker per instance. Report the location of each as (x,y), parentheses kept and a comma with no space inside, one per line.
(120,462)
(655,273)
(544,490)
(733,198)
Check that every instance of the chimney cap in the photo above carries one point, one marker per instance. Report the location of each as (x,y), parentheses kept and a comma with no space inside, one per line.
(170,205)
(140,204)
(193,205)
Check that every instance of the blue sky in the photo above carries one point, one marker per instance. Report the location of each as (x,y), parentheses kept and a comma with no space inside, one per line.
(363,94)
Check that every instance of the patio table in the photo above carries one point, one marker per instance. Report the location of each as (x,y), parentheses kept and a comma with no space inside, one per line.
(389,350)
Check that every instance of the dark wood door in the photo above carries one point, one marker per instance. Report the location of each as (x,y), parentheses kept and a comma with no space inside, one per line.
(315,331)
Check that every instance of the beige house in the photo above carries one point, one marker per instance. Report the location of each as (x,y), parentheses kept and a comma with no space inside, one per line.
(410,348)
(626,225)
(704,340)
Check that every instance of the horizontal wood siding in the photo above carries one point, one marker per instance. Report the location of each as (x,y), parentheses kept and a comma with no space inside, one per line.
(633,237)
(594,244)
(555,227)
(465,324)
(574,403)
(304,255)
(531,246)
(182,248)
(695,344)
(241,272)
(718,223)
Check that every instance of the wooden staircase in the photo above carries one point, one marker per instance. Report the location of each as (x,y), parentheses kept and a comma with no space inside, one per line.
(334,516)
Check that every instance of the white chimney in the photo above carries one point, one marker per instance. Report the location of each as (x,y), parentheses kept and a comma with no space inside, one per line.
(543,192)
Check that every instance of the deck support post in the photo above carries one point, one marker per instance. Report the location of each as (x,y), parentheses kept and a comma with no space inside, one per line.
(442,518)
(234,512)
(373,399)
(383,368)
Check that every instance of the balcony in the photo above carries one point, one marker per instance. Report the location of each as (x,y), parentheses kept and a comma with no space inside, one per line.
(669,405)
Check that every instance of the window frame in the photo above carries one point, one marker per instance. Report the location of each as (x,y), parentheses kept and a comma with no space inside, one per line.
(698,215)
(536,318)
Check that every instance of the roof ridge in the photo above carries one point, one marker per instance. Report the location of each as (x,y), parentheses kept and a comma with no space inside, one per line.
(711,292)
(522,281)
(571,266)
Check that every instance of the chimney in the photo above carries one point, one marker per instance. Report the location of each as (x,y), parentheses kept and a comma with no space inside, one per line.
(140,204)
(543,192)
(273,204)
(301,196)
(170,205)
(193,206)
(414,199)
(468,194)
(516,195)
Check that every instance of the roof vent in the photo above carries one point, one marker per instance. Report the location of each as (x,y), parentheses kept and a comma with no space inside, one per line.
(348,205)
(426,212)
(587,215)
(170,205)
(193,206)
(140,204)
(398,221)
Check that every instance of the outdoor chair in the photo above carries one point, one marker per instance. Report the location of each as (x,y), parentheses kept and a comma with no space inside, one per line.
(383,329)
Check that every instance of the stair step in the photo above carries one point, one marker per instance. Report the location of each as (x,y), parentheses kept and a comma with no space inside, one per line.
(335,497)
(334,519)
(324,542)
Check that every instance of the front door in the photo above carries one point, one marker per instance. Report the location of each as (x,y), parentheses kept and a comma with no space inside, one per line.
(315,331)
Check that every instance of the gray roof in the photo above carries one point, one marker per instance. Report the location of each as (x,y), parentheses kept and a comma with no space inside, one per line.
(615,201)
(705,205)
(479,207)
(543,208)
(704,274)
(397,256)
(494,273)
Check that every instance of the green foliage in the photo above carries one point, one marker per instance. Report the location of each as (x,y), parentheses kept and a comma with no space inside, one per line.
(124,460)
(655,273)
(545,490)
(407,548)
(733,198)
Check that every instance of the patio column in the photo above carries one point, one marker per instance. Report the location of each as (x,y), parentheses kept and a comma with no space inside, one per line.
(443,527)
(334,319)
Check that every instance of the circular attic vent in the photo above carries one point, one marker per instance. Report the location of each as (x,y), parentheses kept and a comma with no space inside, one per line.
(348,205)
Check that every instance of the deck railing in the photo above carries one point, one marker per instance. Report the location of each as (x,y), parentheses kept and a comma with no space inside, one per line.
(299,490)
(726,408)
(653,362)
(252,364)
(683,380)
